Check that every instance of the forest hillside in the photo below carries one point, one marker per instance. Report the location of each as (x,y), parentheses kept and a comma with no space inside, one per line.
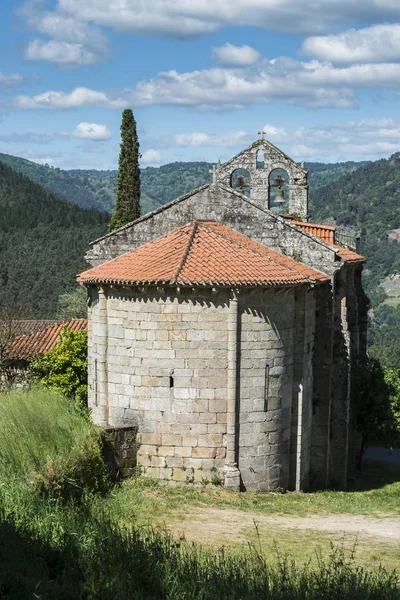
(43,239)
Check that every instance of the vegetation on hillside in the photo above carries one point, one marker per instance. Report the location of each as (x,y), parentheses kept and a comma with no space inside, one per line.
(97,189)
(43,239)
(368,201)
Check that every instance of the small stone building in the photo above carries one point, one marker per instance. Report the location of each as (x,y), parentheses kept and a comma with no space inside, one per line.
(228,328)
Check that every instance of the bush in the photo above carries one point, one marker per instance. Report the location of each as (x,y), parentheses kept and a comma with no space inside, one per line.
(64,368)
(48,444)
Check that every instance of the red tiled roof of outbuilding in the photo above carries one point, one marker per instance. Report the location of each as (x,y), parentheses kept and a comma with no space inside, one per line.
(42,339)
(203,253)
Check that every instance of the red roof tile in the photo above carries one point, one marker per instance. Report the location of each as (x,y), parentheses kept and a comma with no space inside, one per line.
(324,232)
(41,339)
(202,253)
(327,234)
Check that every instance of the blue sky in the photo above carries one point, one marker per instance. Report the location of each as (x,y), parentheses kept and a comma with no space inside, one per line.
(322,77)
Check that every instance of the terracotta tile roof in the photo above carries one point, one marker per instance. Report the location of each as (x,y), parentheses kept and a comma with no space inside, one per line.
(327,234)
(41,337)
(348,255)
(203,253)
(324,232)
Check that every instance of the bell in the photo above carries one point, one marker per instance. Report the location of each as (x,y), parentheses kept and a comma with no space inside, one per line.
(240,183)
(279,196)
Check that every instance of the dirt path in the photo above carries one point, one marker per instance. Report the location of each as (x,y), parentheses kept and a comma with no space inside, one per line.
(210,525)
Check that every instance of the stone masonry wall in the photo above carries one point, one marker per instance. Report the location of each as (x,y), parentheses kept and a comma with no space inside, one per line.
(322,365)
(120,450)
(273,158)
(226,207)
(167,373)
(264,422)
(164,364)
(301,423)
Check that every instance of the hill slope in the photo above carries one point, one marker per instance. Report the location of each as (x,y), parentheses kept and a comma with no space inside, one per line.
(97,189)
(42,242)
(369,201)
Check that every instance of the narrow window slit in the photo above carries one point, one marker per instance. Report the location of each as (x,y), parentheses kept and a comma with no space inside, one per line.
(266,388)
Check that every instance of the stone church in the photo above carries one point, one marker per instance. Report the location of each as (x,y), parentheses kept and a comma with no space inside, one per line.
(227,328)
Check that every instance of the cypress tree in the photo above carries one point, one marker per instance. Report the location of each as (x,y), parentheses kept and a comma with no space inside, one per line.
(127,206)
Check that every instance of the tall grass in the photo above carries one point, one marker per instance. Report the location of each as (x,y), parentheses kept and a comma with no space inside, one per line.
(55,548)
(46,443)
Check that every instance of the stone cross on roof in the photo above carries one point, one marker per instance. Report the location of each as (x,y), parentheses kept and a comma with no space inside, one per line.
(214,172)
(262,133)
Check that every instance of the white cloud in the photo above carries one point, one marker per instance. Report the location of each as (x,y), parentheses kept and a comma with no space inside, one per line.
(235,56)
(275,134)
(196,139)
(80,96)
(350,140)
(376,44)
(184,18)
(220,88)
(62,53)
(91,131)
(9,80)
(151,156)
(73,41)
(26,138)
(305,83)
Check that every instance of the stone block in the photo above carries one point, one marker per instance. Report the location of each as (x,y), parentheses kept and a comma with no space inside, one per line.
(157,461)
(166,451)
(218,406)
(174,461)
(193,463)
(199,406)
(196,428)
(153,472)
(150,439)
(171,440)
(166,473)
(204,452)
(183,451)
(190,440)
(207,417)
(180,474)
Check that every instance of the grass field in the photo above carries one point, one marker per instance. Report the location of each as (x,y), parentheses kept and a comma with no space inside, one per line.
(292,522)
(66,534)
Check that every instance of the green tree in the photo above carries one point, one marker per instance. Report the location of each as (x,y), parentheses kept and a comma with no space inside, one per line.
(64,368)
(72,305)
(378,399)
(392,379)
(127,206)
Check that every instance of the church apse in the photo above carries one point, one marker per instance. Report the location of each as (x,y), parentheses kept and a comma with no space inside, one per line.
(254,173)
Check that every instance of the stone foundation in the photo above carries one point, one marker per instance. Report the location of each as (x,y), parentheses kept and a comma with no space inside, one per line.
(120,451)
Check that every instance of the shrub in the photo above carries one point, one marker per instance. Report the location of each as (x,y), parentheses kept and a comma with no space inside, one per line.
(48,444)
(64,368)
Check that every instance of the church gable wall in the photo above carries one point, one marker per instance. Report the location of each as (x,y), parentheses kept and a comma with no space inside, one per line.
(230,209)
(259,176)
